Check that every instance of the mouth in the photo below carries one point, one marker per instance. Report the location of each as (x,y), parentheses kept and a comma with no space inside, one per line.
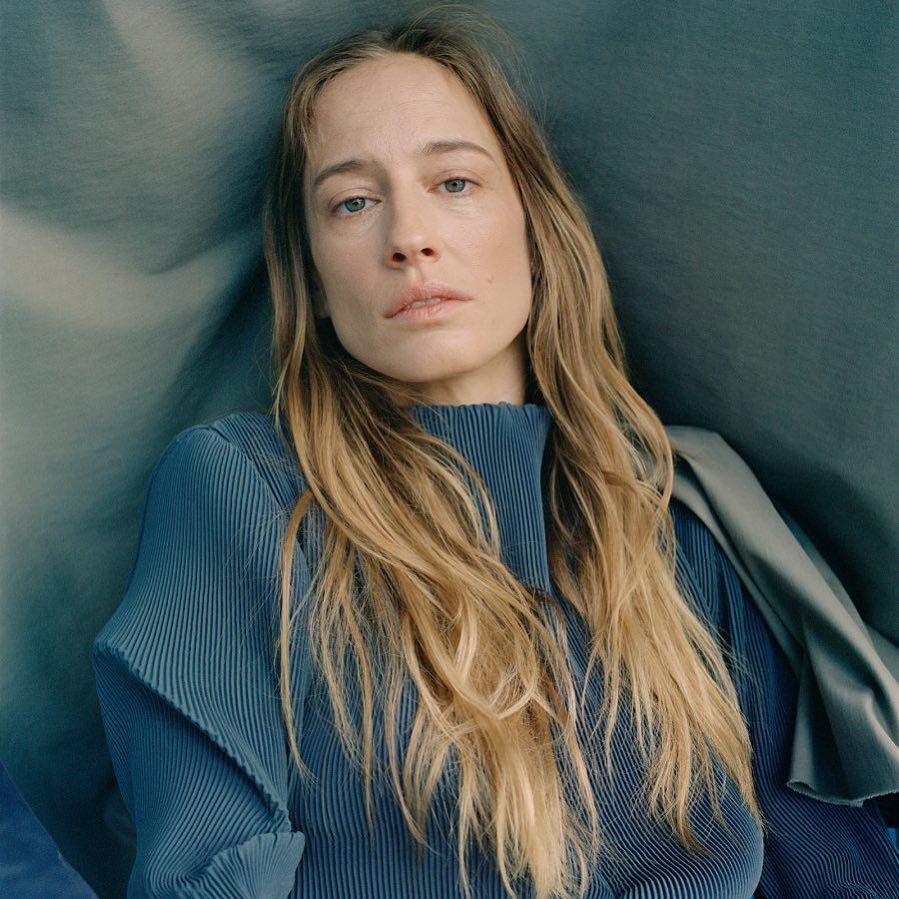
(432,295)
(436,307)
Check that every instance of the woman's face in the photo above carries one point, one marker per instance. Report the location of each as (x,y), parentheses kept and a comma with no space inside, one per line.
(403,208)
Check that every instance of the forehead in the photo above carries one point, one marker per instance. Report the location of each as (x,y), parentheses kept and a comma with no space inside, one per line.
(392,104)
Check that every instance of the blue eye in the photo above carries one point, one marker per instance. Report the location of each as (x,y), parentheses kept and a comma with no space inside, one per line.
(346,203)
(460,181)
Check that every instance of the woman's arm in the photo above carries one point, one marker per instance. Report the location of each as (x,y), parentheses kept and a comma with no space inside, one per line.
(186,685)
(813,850)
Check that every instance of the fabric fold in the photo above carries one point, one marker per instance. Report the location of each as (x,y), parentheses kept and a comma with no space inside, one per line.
(264,865)
(845,745)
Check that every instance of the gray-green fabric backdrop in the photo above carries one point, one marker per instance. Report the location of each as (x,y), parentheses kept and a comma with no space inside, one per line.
(738,162)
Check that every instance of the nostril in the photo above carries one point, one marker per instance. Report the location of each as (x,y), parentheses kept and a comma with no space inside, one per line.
(398,256)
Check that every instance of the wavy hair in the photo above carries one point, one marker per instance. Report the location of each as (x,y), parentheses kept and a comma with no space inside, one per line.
(410,585)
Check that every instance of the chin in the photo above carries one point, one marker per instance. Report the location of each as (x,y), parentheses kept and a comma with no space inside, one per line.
(441,364)
(455,367)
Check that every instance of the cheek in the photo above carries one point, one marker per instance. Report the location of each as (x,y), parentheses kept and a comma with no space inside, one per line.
(505,227)
(328,259)
(339,266)
(349,282)
(508,248)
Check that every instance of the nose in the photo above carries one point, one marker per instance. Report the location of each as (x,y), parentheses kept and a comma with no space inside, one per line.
(412,232)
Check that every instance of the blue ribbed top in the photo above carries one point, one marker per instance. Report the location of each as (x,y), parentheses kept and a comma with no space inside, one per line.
(190,706)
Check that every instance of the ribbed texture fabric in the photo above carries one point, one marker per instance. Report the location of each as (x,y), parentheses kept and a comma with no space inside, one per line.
(189,698)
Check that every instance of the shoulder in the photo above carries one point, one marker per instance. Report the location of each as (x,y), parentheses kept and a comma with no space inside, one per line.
(696,547)
(205,570)
(210,525)
(705,569)
(239,447)
(725,604)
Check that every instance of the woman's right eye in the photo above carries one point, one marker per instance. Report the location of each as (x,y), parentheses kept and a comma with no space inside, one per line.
(351,205)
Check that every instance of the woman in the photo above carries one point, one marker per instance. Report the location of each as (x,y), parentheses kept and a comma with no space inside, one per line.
(440,597)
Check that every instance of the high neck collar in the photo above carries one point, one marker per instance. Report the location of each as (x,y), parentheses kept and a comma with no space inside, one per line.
(505,444)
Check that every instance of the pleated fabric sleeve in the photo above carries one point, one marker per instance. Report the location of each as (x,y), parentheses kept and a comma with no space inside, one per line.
(187,686)
(813,849)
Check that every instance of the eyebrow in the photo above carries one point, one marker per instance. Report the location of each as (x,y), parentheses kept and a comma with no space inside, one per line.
(432,148)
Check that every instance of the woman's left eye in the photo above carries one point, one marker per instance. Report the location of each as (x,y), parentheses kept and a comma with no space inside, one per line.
(456,185)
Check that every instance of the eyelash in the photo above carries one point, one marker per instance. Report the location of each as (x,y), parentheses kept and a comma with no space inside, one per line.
(336,210)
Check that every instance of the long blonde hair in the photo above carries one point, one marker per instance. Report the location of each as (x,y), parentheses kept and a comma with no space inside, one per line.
(486,653)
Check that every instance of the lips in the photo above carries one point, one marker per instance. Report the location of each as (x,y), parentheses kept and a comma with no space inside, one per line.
(426,291)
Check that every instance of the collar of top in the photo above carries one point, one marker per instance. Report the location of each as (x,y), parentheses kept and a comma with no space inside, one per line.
(505,444)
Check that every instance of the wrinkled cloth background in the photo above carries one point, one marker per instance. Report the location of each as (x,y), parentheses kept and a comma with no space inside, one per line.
(738,166)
